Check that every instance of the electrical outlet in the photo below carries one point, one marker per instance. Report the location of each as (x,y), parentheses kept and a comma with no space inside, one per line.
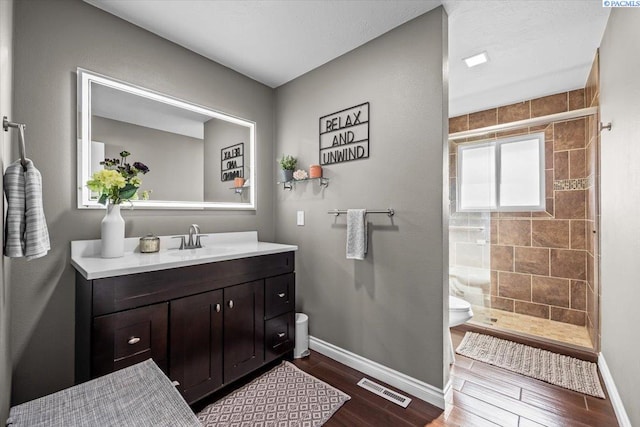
(300,218)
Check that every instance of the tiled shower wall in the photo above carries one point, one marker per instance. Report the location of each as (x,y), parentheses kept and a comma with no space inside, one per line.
(540,263)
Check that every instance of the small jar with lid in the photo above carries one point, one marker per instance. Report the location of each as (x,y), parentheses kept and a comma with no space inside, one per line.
(149,244)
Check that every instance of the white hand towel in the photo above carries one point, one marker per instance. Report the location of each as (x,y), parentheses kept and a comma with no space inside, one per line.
(26,226)
(356,233)
(15,224)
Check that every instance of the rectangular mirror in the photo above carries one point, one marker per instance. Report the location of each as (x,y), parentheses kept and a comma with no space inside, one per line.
(193,153)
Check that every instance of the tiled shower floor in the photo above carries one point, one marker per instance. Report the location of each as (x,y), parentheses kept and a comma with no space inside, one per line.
(550,329)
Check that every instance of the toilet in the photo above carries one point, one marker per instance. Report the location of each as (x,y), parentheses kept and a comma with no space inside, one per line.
(459,311)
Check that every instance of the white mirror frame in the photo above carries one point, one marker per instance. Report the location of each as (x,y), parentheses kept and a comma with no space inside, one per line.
(85,78)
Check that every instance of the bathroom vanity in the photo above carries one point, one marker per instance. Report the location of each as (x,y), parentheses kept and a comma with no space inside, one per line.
(206,316)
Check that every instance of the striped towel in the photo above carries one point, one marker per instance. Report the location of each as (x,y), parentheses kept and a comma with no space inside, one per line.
(26,232)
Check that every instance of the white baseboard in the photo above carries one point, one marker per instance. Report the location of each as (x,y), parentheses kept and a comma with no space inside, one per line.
(403,382)
(616,401)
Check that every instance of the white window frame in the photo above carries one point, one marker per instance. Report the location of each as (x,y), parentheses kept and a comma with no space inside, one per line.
(541,206)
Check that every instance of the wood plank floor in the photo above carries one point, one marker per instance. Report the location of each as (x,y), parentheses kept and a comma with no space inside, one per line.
(482,395)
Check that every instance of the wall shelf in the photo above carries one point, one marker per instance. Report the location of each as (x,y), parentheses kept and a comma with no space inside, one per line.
(288,185)
(239,190)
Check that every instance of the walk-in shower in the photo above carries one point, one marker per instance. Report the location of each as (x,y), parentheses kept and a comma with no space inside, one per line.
(523,232)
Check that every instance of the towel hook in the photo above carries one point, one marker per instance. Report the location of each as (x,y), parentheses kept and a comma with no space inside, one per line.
(6,124)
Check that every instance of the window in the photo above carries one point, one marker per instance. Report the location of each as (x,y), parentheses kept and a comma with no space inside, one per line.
(503,175)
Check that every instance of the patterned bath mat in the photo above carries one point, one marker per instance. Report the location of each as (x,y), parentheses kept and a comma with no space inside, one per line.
(564,371)
(284,396)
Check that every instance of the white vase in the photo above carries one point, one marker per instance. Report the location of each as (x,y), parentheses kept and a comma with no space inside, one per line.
(112,233)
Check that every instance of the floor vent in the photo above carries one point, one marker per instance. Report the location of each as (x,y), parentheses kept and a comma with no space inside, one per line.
(390,395)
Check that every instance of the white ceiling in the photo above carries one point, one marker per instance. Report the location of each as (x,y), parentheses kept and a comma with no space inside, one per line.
(536,47)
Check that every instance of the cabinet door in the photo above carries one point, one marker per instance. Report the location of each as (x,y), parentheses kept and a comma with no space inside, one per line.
(128,337)
(243,329)
(196,344)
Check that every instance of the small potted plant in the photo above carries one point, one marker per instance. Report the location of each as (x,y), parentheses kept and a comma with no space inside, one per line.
(287,165)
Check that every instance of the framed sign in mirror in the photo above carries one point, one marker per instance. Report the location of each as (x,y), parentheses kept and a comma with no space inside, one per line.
(182,143)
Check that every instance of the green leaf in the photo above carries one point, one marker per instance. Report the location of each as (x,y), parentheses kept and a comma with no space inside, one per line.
(127,191)
(103,199)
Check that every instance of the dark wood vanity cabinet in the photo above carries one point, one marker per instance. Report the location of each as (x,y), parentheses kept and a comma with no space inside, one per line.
(205,325)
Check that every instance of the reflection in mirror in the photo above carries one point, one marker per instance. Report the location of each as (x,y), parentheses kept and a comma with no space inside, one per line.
(194,153)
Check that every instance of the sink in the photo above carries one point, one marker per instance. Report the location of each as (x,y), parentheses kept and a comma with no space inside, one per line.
(200,252)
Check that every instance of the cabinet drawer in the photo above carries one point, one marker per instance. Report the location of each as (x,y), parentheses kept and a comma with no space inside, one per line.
(279,335)
(280,295)
(125,338)
(132,339)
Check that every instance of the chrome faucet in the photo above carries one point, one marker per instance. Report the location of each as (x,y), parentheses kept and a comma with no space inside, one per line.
(194,232)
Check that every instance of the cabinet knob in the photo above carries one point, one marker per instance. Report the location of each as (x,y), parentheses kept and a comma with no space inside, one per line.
(281,295)
(281,335)
(230,303)
(133,340)
(218,308)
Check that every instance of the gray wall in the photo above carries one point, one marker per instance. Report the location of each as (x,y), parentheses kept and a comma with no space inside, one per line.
(166,154)
(6,80)
(388,308)
(55,37)
(620,179)
(219,134)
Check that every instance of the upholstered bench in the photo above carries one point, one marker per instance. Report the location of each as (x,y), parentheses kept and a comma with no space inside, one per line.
(140,395)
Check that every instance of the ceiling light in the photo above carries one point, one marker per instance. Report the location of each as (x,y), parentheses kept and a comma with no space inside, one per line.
(478,59)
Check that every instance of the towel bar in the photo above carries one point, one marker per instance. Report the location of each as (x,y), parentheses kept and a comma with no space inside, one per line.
(390,212)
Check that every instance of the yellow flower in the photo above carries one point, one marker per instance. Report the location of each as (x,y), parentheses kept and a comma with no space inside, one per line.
(105,179)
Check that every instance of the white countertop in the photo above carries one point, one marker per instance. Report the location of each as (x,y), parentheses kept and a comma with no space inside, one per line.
(85,254)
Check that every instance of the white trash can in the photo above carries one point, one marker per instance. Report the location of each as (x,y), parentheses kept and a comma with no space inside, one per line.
(302,336)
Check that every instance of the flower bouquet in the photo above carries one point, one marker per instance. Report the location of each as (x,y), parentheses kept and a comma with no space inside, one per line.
(118,181)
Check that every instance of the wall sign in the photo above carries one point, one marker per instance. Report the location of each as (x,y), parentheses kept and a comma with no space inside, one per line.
(344,135)
(232,162)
